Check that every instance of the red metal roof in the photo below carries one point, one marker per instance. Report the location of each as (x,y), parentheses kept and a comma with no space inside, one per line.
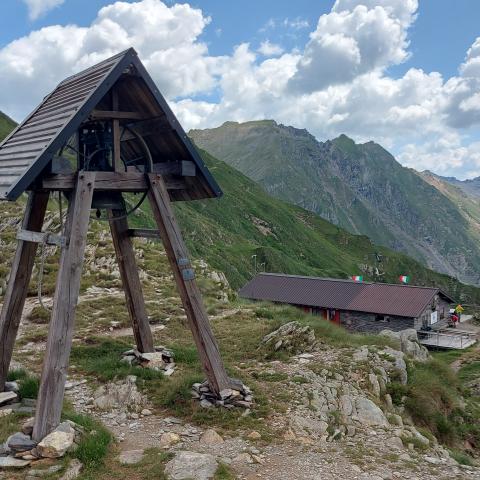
(378,298)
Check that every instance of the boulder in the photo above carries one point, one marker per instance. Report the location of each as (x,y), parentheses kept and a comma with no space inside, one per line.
(7,397)
(131,457)
(57,443)
(73,470)
(211,437)
(121,395)
(409,343)
(367,413)
(19,442)
(168,439)
(191,466)
(394,364)
(291,337)
(10,462)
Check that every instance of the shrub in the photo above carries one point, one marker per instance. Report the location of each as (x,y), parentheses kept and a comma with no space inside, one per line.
(28,387)
(39,315)
(397,391)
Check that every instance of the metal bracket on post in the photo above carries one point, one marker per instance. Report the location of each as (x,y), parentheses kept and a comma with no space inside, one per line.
(188,274)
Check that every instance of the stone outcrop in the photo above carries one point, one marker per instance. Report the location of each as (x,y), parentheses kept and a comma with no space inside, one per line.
(291,337)
(160,360)
(122,395)
(409,344)
(191,466)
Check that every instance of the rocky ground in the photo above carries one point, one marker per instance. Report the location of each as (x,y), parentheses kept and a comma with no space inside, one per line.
(321,410)
(337,421)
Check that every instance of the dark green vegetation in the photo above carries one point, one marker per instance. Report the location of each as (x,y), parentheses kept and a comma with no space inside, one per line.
(6,125)
(358,187)
(439,400)
(28,384)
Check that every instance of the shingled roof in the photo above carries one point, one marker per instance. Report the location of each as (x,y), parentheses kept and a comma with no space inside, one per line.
(378,298)
(26,152)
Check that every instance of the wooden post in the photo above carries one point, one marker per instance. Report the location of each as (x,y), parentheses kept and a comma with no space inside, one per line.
(131,281)
(59,343)
(20,274)
(189,292)
(117,162)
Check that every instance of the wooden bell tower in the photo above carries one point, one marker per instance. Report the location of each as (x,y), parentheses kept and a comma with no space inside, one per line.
(101,133)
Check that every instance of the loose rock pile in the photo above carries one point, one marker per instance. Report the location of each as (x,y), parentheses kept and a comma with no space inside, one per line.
(291,337)
(239,396)
(160,360)
(20,450)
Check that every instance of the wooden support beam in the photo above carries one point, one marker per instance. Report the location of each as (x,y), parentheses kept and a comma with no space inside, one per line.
(182,168)
(188,289)
(131,281)
(115,115)
(17,288)
(108,181)
(59,342)
(117,161)
(144,233)
(41,237)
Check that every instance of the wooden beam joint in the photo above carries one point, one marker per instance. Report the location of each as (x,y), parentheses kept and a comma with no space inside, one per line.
(41,237)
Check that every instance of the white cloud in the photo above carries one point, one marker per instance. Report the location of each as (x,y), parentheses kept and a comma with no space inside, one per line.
(339,83)
(165,37)
(270,49)
(37,8)
(348,43)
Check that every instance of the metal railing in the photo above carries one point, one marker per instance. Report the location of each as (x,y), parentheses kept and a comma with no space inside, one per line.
(443,339)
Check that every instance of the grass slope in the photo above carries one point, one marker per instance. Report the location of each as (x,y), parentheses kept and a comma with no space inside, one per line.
(246,221)
(6,125)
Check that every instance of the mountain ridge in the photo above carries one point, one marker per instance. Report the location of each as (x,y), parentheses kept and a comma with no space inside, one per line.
(360,187)
(246,221)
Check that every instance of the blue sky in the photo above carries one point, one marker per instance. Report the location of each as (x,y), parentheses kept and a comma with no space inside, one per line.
(440,36)
(408,77)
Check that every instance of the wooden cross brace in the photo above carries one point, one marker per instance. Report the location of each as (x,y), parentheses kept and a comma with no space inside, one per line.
(59,342)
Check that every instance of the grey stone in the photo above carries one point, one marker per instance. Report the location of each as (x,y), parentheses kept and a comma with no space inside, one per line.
(45,471)
(57,443)
(394,442)
(19,442)
(11,387)
(27,426)
(368,413)
(73,470)
(7,397)
(191,466)
(131,457)
(211,437)
(10,462)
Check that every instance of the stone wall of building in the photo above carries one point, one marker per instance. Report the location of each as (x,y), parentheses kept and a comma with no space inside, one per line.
(371,323)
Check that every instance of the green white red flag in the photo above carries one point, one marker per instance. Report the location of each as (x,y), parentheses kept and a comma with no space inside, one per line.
(357,278)
(404,278)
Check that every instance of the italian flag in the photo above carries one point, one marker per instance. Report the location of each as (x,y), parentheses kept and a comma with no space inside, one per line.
(357,278)
(404,278)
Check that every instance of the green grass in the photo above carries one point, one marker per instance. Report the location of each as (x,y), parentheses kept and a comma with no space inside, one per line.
(28,384)
(461,457)
(224,472)
(28,387)
(102,358)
